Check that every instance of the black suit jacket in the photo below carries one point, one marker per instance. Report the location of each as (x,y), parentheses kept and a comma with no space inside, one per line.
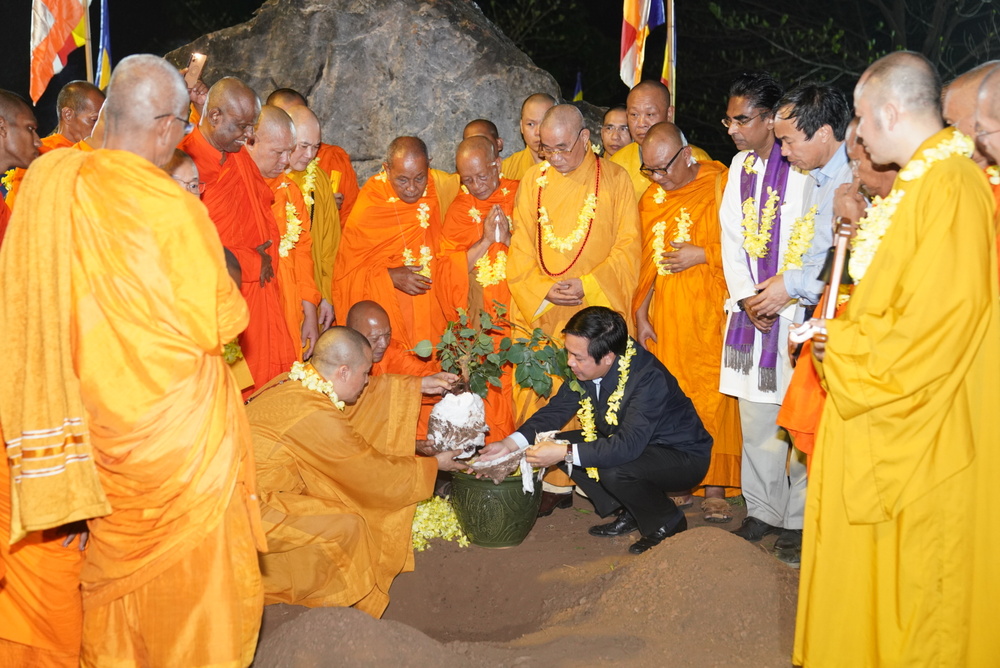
(654,413)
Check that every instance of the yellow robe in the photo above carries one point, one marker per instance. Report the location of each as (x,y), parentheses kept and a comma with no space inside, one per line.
(630,158)
(514,166)
(338,491)
(170,575)
(890,576)
(326,229)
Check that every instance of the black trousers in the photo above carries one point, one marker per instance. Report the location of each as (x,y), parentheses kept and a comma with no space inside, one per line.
(641,485)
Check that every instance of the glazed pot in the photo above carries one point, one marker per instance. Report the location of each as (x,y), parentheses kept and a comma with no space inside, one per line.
(494,515)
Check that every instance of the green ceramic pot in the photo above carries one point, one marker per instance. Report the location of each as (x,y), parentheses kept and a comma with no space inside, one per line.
(494,515)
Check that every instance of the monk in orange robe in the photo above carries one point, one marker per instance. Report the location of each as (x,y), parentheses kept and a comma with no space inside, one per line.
(19,142)
(338,481)
(78,104)
(386,253)
(679,302)
(270,148)
(239,203)
(981,117)
(533,110)
(475,240)
(116,380)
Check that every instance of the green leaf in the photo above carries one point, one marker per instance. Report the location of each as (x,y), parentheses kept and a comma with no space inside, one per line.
(423,349)
(494,381)
(478,385)
(467,333)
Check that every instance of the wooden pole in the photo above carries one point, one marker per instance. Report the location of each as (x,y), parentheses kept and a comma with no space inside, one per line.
(87,44)
(671,64)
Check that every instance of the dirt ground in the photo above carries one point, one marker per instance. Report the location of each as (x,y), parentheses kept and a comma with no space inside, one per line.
(562,598)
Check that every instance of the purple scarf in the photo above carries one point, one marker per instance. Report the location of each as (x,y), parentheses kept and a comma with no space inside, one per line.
(740,337)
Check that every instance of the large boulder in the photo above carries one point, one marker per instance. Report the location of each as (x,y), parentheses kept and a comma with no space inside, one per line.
(373,70)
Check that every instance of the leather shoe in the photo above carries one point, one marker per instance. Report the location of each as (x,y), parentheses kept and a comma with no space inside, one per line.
(754,529)
(551,501)
(655,538)
(789,538)
(622,525)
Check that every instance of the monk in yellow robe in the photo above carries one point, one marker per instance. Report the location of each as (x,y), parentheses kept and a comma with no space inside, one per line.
(338,481)
(679,303)
(533,110)
(648,103)
(19,142)
(910,368)
(986,123)
(476,236)
(78,104)
(273,141)
(123,382)
(386,255)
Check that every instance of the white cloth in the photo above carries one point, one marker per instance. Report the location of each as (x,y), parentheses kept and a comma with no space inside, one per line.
(773,495)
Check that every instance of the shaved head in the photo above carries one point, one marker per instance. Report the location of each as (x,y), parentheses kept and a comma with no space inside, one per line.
(372,322)
(286,98)
(182,169)
(478,165)
(476,146)
(484,128)
(533,110)
(648,104)
(19,142)
(959,102)
(78,106)
(273,141)
(230,114)
(406,164)
(563,138)
(307,137)
(987,124)
(343,357)
(665,152)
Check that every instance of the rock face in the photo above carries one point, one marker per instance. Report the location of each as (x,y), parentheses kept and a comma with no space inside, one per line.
(376,69)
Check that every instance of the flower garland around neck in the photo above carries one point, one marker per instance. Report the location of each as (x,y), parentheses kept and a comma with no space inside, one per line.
(659,195)
(798,244)
(878,216)
(585,414)
(7,179)
(311,380)
(309,182)
(993,174)
(410,260)
(749,162)
(756,239)
(585,222)
(293,230)
(491,273)
(681,235)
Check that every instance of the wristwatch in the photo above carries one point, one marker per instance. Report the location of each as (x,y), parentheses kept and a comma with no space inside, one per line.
(569,459)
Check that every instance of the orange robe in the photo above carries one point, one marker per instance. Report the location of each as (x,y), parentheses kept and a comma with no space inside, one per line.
(296,278)
(50,143)
(326,227)
(338,491)
(239,203)
(382,227)
(336,162)
(516,165)
(169,575)
(686,312)
(462,228)
(5,214)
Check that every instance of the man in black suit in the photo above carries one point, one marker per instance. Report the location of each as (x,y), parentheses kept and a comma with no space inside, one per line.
(649,439)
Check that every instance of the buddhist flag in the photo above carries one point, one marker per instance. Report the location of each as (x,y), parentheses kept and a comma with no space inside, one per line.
(638,17)
(578,91)
(54,28)
(104,51)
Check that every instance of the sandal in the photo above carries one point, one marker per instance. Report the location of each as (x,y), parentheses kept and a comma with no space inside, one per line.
(716,511)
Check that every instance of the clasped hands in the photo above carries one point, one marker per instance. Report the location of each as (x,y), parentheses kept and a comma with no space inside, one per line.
(763,308)
(566,293)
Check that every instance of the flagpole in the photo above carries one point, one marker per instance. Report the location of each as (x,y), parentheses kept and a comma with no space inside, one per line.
(672,52)
(88,49)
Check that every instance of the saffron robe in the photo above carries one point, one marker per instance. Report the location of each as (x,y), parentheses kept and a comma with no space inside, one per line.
(297,280)
(150,306)
(325,230)
(338,490)
(336,162)
(630,158)
(382,226)
(516,165)
(686,312)
(911,371)
(239,203)
(50,143)
(5,214)
(463,228)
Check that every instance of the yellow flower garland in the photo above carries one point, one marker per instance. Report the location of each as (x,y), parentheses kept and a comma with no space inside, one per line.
(7,180)
(410,260)
(476,215)
(293,230)
(488,273)
(587,213)
(682,235)
(309,182)
(585,414)
(311,380)
(755,239)
(798,244)
(435,518)
(659,195)
(424,214)
(748,163)
(993,174)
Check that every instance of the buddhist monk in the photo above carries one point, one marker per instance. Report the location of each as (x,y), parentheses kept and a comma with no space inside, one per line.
(305,171)
(682,290)
(614,130)
(986,127)
(887,578)
(239,203)
(958,103)
(333,160)
(648,103)
(156,457)
(270,147)
(533,110)
(476,236)
(339,481)
(182,169)
(95,139)
(388,354)
(484,128)
(19,142)
(386,253)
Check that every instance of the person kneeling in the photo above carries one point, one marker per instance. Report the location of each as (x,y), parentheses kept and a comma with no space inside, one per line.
(641,436)
(337,476)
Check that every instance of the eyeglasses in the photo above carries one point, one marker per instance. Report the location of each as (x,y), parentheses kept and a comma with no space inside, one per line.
(188,125)
(545,150)
(195,187)
(740,122)
(980,133)
(648,171)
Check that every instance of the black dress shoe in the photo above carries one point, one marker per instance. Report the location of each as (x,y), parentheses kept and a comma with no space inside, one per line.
(789,538)
(551,501)
(754,529)
(655,538)
(622,525)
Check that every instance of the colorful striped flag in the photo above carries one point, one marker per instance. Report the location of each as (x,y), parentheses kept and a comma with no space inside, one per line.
(103,77)
(636,23)
(578,91)
(54,28)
